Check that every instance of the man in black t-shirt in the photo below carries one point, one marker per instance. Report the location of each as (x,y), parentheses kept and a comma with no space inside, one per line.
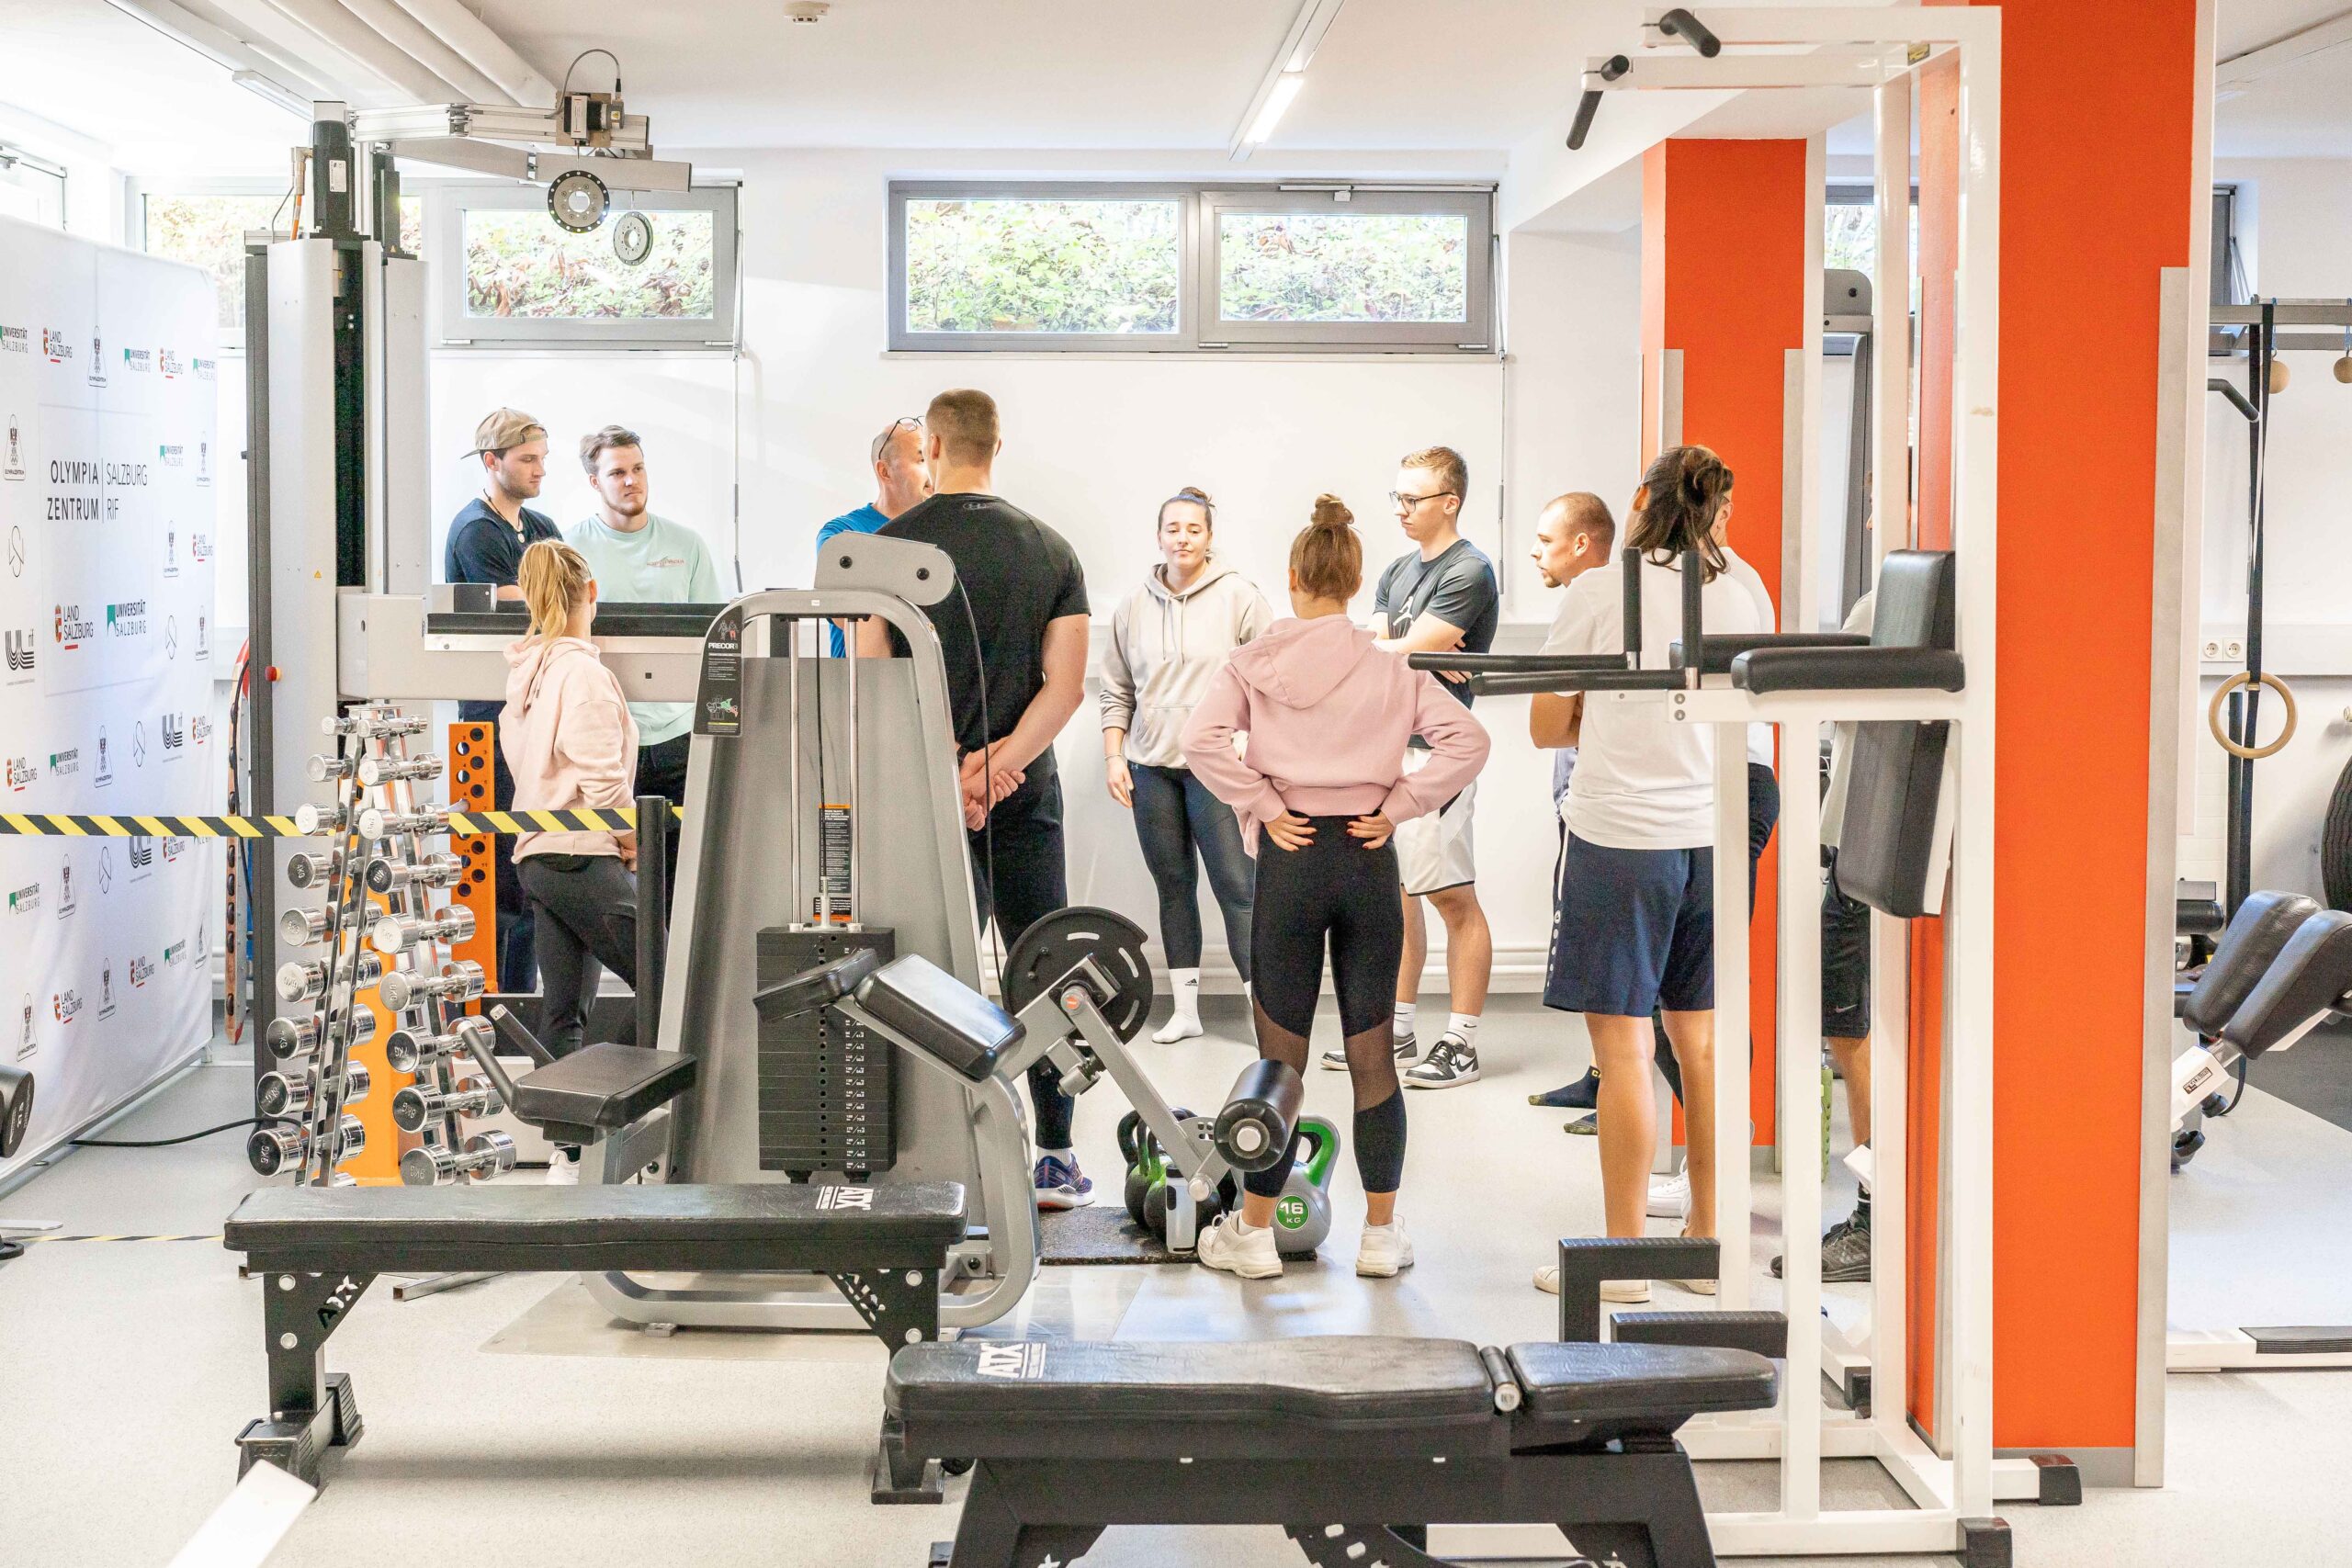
(1439,597)
(486,545)
(1014,641)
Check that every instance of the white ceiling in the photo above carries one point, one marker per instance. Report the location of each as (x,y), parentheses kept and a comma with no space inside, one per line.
(2299,110)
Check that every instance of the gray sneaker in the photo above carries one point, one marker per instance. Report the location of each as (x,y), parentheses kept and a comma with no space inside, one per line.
(1845,1254)
(1408,1052)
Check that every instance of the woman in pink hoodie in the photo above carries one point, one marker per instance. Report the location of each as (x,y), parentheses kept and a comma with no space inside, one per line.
(1319,793)
(570,744)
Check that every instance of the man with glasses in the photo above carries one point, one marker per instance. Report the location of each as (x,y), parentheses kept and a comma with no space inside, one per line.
(1438,597)
(900,481)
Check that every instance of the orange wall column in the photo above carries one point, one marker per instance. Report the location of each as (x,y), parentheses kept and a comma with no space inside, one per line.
(1723,281)
(2096,163)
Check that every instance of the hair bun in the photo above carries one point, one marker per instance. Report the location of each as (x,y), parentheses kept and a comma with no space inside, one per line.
(1194,492)
(1332,513)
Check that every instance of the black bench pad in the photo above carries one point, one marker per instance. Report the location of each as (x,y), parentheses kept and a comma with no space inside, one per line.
(1622,1383)
(521,1228)
(941,1014)
(603,1086)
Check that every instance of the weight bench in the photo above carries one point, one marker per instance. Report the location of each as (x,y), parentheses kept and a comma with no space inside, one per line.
(1322,1436)
(316,1249)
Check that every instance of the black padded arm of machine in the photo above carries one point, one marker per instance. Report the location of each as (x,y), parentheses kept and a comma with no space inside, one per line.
(2256,937)
(1722,647)
(1680,23)
(821,986)
(2309,978)
(1616,65)
(912,997)
(1857,669)
(1261,1115)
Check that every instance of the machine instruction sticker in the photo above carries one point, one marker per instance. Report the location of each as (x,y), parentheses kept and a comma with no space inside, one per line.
(718,699)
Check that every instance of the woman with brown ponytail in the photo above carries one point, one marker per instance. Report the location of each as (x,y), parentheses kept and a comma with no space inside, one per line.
(569,741)
(1634,927)
(1320,795)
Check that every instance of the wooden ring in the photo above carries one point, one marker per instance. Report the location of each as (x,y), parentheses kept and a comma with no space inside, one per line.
(2214,715)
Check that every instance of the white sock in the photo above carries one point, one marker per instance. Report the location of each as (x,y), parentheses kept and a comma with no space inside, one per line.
(1067,1156)
(1462,1026)
(1405,1012)
(1242,1226)
(1185,985)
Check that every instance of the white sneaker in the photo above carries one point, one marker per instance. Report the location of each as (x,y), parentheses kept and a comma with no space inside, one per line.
(1408,1052)
(1248,1253)
(1547,1280)
(1385,1249)
(1670,1196)
(1450,1062)
(1179,1026)
(563,1168)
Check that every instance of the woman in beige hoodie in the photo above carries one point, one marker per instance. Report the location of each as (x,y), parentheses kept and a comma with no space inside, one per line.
(1168,638)
(571,746)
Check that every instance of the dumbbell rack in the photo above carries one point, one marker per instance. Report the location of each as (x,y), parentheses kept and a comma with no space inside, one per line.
(379,878)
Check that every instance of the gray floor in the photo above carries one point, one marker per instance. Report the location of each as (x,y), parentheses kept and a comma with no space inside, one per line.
(510,1422)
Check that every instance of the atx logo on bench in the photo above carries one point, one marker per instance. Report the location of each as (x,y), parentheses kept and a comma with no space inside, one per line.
(846,1198)
(1025,1361)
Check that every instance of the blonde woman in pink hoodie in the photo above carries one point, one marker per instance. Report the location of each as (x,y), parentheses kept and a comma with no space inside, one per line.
(570,744)
(1321,793)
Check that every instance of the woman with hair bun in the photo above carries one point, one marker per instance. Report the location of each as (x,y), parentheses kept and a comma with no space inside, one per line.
(1168,638)
(1634,930)
(567,735)
(1321,792)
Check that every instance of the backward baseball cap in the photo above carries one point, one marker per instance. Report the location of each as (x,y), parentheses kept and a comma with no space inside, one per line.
(502,428)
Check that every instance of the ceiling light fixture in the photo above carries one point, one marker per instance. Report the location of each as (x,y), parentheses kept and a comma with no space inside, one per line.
(1285,74)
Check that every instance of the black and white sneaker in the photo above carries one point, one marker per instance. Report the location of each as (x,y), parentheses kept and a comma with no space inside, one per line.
(1451,1062)
(1408,1051)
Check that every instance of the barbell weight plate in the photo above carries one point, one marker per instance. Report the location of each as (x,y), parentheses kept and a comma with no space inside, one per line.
(1055,945)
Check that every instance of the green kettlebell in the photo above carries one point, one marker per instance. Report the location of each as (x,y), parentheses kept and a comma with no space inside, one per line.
(1302,1212)
(1139,1166)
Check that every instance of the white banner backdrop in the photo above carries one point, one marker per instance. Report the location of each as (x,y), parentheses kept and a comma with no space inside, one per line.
(108,373)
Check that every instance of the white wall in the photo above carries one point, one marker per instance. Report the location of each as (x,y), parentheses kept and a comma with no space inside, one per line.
(1092,444)
(2295,227)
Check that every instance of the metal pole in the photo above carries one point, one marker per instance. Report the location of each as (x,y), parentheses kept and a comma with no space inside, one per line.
(797,913)
(856,804)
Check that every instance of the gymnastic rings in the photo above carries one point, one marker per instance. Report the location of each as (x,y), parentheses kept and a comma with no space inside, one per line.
(2214,715)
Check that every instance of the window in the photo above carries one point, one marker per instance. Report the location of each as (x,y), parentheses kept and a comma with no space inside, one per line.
(32,189)
(1096,268)
(207,228)
(507,274)
(1849,229)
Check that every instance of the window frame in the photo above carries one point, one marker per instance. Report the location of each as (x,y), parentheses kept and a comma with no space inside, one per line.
(1199,329)
(20,163)
(138,193)
(447,203)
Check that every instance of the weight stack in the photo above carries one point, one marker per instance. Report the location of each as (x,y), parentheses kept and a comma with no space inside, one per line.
(825,1083)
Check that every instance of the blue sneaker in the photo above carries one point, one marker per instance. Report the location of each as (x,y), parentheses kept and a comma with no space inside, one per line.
(1061,1185)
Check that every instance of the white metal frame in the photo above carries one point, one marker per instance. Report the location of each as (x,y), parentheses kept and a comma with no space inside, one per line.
(1878,48)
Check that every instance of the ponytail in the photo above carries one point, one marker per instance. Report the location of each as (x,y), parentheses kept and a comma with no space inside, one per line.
(554,578)
(1684,491)
(1327,559)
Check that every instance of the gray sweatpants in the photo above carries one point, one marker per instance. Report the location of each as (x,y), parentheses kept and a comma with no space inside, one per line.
(585,909)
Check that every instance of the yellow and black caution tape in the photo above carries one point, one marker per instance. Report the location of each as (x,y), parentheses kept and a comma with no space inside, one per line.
(462,824)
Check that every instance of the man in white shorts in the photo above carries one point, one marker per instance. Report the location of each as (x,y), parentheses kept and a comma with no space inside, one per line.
(1439,597)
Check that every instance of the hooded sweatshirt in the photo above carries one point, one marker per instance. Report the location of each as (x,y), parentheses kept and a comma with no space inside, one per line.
(567,739)
(1329,716)
(1165,649)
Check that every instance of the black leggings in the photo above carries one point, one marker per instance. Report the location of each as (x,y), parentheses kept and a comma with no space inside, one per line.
(586,921)
(1334,890)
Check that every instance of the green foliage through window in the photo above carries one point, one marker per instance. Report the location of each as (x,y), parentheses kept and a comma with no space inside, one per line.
(1042,266)
(1368,266)
(210,231)
(519,262)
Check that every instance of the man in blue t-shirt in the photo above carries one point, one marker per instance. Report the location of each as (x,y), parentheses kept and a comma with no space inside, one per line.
(901,479)
(486,544)
(1438,597)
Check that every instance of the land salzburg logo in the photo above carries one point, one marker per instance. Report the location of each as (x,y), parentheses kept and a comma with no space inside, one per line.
(72,627)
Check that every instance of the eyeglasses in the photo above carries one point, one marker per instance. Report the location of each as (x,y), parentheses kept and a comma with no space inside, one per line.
(1399,497)
(882,442)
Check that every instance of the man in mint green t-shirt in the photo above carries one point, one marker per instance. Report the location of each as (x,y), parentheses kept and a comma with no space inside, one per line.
(639,559)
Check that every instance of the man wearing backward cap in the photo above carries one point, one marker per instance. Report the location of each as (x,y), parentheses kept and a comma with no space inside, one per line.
(486,545)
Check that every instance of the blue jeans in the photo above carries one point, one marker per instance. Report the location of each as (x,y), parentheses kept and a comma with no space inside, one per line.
(1182,826)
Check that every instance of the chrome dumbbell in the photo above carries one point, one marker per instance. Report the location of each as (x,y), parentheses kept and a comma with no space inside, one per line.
(323,768)
(486,1155)
(302,928)
(375,823)
(284,1094)
(272,1149)
(385,770)
(460,982)
(416,1104)
(298,982)
(291,1037)
(414,1050)
(314,870)
(310,817)
(433,870)
(398,933)
(381,722)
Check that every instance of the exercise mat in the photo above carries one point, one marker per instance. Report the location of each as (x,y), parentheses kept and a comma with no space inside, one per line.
(1102,1234)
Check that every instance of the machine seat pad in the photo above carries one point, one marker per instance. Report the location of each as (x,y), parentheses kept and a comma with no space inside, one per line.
(603,1086)
(536,1223)
(1654,1386)
(1330,1384)
(2309,978)
(941,1014)
(2252,943)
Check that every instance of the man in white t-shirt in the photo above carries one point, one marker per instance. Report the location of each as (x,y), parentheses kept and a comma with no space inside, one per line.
(639,558)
